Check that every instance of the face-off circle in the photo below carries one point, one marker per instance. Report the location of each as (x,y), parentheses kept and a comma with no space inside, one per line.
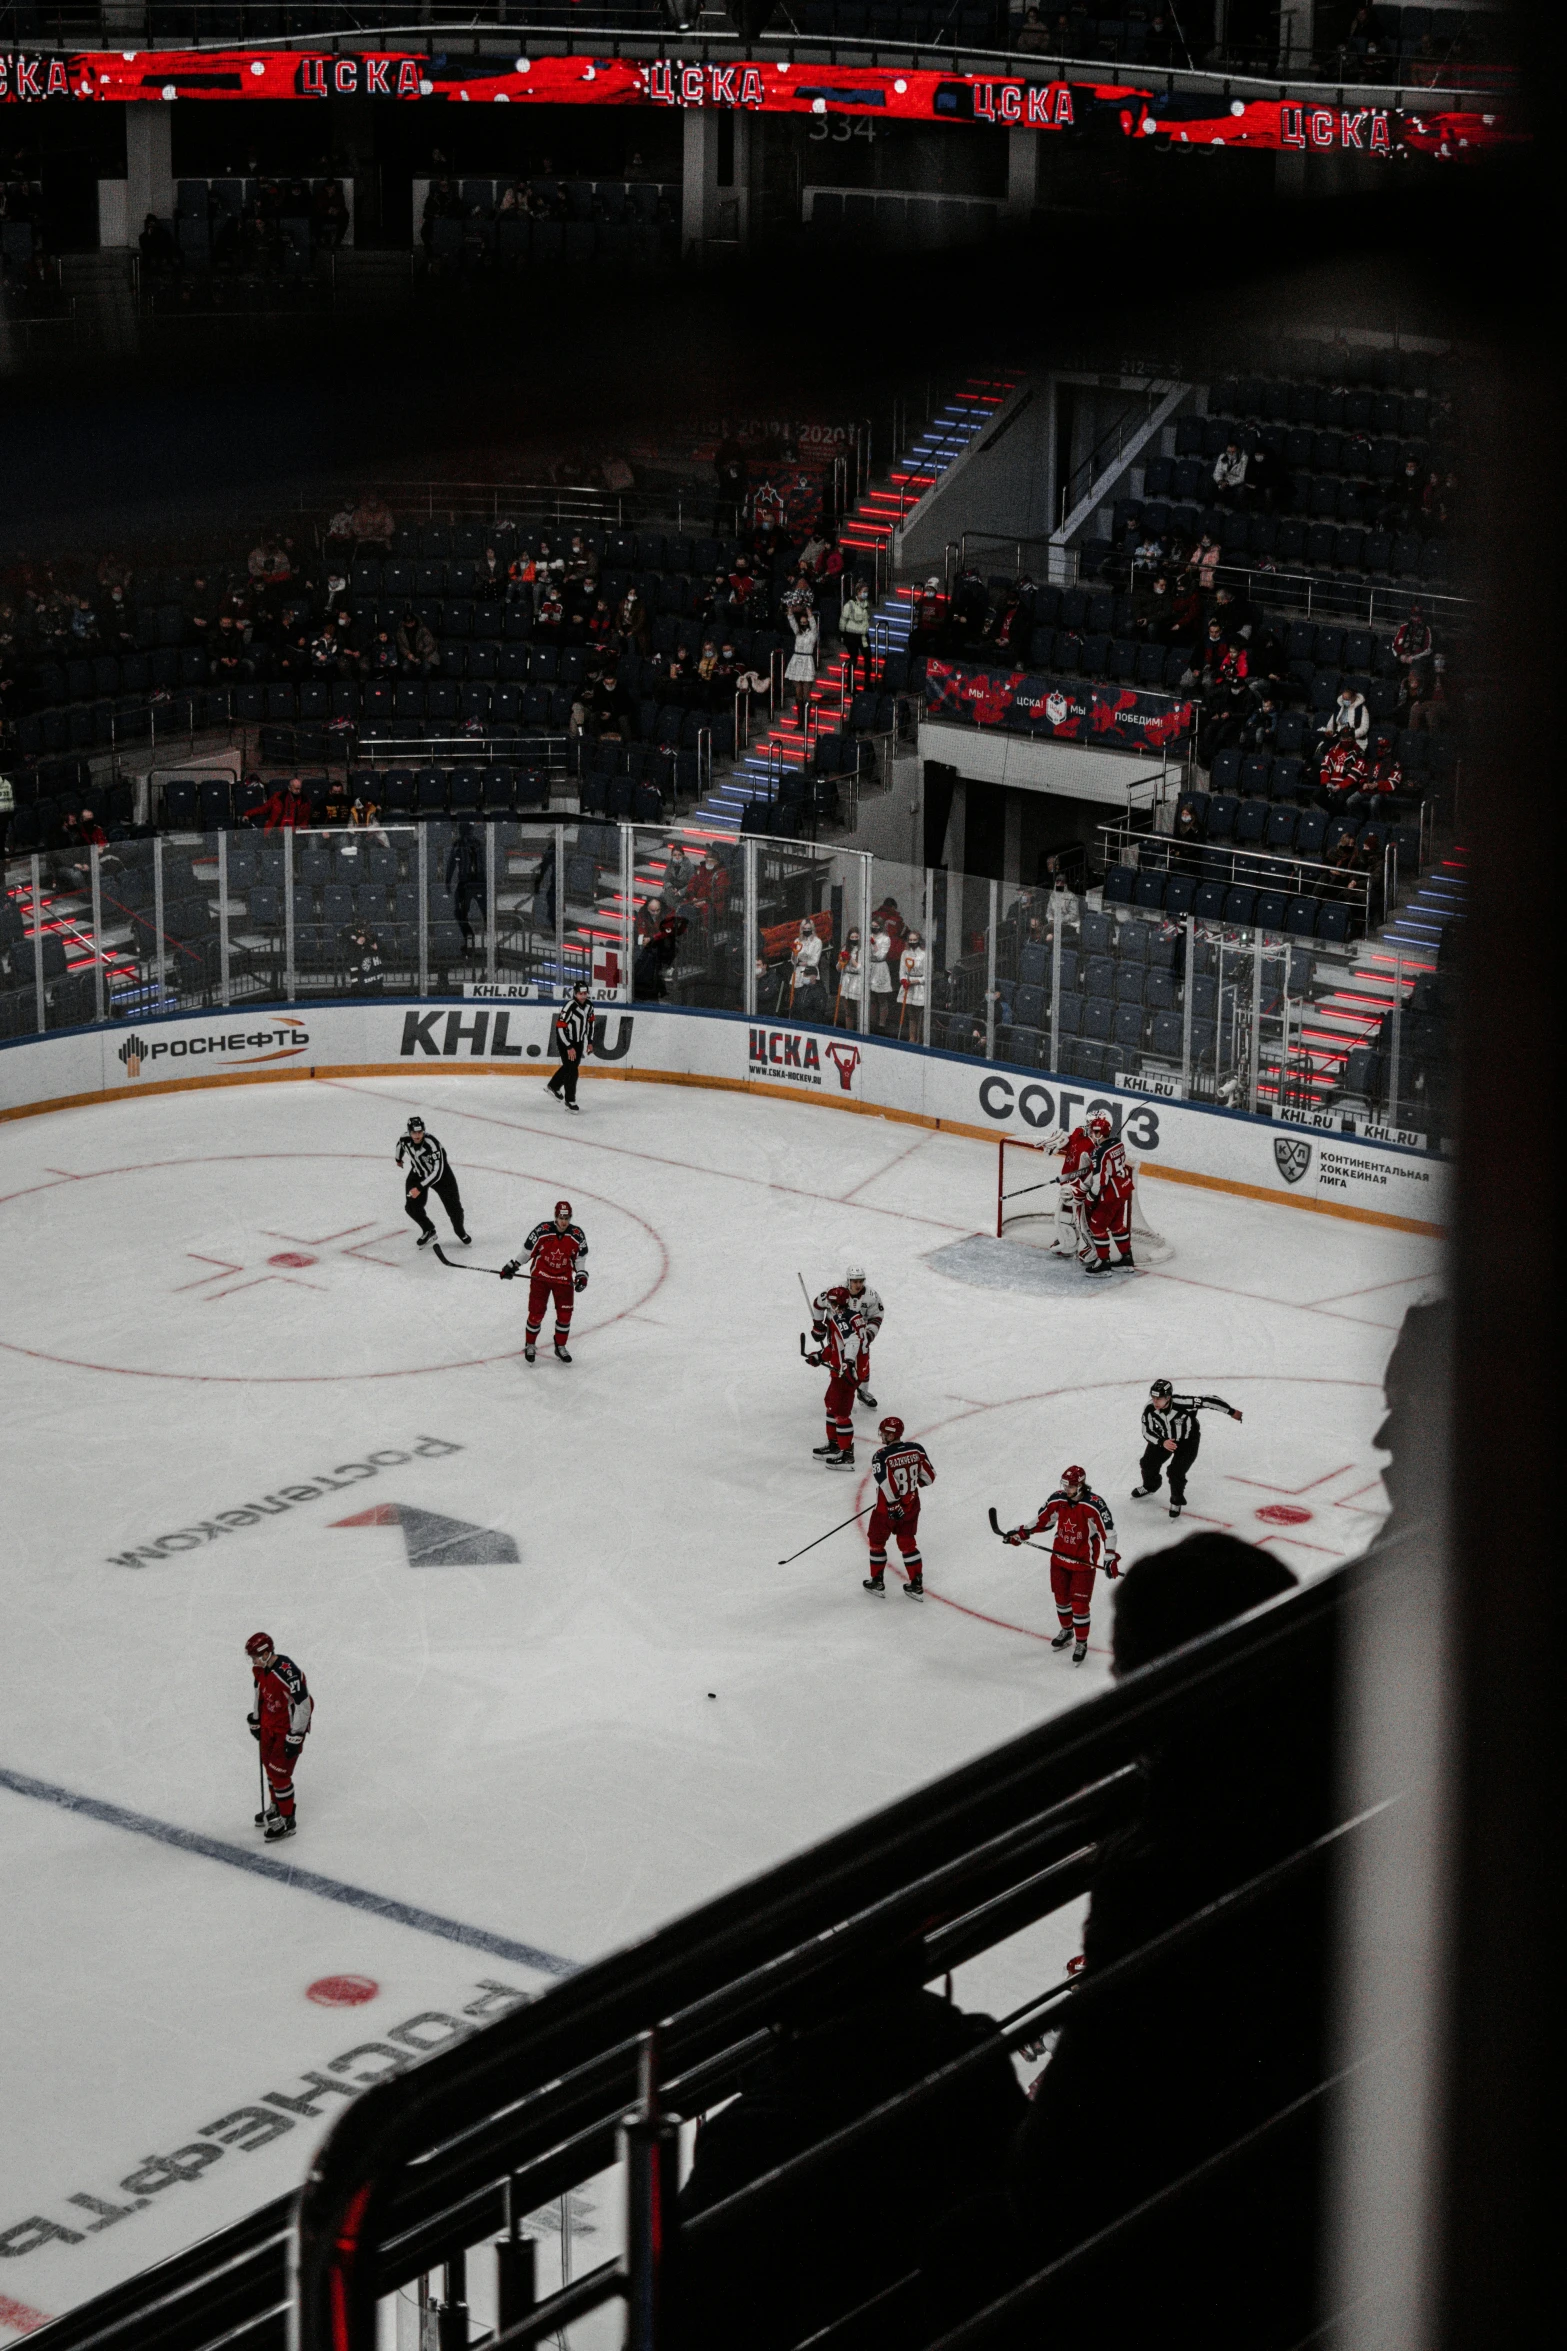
(286,1268)
(342,1991)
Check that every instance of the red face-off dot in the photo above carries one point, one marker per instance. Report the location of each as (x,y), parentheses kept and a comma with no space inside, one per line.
(291,1257)
(342,1991)
(1283,1514)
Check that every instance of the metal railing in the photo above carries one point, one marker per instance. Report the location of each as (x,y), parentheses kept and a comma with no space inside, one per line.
(1240,1001)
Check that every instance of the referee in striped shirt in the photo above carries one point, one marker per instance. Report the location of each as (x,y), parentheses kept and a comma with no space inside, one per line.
(571,1033)
(1173,1436)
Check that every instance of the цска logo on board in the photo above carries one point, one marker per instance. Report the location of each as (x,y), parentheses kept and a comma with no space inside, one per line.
(796,1056)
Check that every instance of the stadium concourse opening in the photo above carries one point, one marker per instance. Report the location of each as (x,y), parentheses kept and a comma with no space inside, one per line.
(746,972)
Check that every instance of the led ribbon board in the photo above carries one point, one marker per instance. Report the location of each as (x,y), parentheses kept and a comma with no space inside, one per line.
(1093,110)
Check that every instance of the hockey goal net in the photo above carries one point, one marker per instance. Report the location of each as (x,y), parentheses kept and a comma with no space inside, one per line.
(1030,1206)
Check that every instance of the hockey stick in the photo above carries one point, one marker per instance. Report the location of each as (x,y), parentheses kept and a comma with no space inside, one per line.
(805,1294)
(267,1805)
(997,1528)
(1041,1187)
(457,1266)
(837,1530)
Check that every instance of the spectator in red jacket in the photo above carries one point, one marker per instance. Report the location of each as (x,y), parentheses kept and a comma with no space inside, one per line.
(287,808)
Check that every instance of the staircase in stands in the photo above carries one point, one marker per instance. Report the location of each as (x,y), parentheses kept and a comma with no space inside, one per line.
(787,747)
(867,531)
(1391,964)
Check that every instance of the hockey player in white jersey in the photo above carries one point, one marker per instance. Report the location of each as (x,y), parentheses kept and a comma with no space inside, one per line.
(853,1295)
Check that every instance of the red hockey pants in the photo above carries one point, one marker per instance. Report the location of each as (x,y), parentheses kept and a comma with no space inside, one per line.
(906,1530)
(1072,1584)
(840,1411)
(541,1288)
(278,1764)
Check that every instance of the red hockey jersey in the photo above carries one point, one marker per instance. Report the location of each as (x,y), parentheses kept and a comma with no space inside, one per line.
(1083,1529)
(553,1253)
(282,1704)
(1110,1175)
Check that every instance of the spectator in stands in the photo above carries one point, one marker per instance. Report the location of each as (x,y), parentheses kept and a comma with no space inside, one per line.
(839,2048)
(1229,469)
(465,880)
(1191,2055)
(801,670)
(1147,558)
(1259,728)
(709,886)
(1338,858)
(886,953)
(362,960)
(1412,642)
(1350,713)
(1423,698)
(854,622)
(490,579)
(381,660)
(227,654)
(678,870)
(1034,35)
(631,623)
(329,213)
(851,983)
(1207,556)
(522,575)
(374,523)
(1341,773)
(807,996)
(911,986)
(1261,477)
(550,619)
(1187,853)
(159,253)
(286,807)
(653,959)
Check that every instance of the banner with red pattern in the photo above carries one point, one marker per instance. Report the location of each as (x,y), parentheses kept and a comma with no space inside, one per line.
(777,86)
(1067,709)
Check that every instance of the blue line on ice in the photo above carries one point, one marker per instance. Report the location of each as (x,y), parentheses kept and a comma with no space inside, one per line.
(303,1881)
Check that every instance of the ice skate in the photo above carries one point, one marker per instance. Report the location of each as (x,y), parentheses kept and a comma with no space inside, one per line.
(530,1353)
(562,1352)
(278,1828)
(1062,1638)
(263,1817)
(914,1589)
(1176,1508)
(837,1460)
(874,1583)
(1141,1493)
(425,1239)
(1079,1652)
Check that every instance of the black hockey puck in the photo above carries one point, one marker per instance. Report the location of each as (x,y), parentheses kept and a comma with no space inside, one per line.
(712,1693)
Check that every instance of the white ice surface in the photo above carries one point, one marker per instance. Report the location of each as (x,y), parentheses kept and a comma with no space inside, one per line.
(530,1750)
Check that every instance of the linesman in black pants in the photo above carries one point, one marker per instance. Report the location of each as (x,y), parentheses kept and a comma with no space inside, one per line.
(1170,1427)
(571,1034)
(429,1171)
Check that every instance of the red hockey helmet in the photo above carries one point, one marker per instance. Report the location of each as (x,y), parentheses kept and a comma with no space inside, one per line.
(260,1645)
(890,1430)
(1099,1124)
(1075,1476)
(563,1208)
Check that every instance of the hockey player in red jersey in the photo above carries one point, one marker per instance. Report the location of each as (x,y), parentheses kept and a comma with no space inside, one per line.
(852,1295)
(554,1251)
(1083,1535)
(1106,1186)
(846,1353)
(900,1466)
(279,1718)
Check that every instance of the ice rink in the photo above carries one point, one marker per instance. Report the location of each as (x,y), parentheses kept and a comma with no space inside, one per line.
(563,1689)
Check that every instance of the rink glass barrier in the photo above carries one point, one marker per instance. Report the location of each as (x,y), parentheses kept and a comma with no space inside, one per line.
(1343,1035)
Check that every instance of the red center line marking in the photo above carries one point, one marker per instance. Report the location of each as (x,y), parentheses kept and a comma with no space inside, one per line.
(581,1142)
